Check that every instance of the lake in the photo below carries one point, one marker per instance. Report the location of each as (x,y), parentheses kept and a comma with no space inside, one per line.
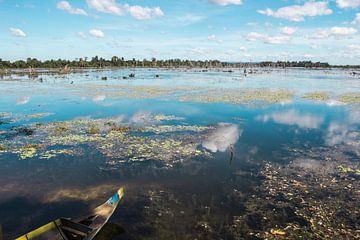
(203,154)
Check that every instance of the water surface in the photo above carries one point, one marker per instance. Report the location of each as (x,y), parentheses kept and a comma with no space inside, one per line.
(192,167)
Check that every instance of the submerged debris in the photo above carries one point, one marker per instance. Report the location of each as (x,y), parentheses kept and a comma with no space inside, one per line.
(318,204)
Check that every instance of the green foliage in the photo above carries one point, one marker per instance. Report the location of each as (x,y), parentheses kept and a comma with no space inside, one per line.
(99,62)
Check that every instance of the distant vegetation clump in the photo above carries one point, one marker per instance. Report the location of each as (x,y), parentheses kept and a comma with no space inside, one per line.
(99,62)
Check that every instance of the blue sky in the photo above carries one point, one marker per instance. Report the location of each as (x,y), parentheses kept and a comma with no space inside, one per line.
(228,30)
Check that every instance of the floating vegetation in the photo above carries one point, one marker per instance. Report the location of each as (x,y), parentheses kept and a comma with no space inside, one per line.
(240,96)
(93,130)
(349,170)
(28,151)
(54,153)
(167,118)
(115,140)
(133,148)
(3,148)
(60,130)
(135,92)
(317,96)
(352,98)
(175,128)
(37,115)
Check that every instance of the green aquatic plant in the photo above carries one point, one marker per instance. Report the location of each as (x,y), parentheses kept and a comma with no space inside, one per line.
(352,98)
(93,130)
(167,118)
(121,129)
(54,153)
(349,170)
(317,96)
(118,141)
(61,130)
(28,151)
(37,115)
(3,148)
(175,128)
(238,96)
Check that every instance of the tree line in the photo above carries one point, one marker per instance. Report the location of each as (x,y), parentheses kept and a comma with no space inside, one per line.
(99,62)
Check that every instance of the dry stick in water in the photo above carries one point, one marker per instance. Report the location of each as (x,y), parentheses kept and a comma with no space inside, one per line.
(231,154)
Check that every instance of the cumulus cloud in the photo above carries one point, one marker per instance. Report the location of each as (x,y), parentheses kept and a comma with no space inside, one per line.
(214,39)
(297,13)
(144,13)
(222,138)
(23,100)
(226,2)
(337,32)
(288,30)
(65,6)
(294,117)
(348,3)
(254,36)
(17,32)
(138,12)
(96,33)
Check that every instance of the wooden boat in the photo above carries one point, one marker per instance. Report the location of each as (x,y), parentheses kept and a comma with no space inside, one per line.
(84,228)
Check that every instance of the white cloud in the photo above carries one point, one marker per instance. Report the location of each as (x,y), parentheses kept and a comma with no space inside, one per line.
(348,3)
(82,35)
(64,5)
(222,138)
(335,32)
(138,12)
(96,33)
(17,32)
(107,6)
(226,2)
(357,19)
(144,13)
(355,48)
(288,30)
(214,39)
(254,36)
(23,100)
(297,13)
(294,117)
(211,37)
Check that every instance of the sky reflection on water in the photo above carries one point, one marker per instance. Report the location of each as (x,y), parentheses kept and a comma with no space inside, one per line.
(238,140)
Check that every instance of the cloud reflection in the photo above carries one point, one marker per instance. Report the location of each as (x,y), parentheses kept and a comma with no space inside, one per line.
(222,137)
(23,100)
(99,98)
(294,117)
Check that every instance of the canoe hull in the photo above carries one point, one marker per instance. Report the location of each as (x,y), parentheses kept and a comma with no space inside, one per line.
(85,228)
